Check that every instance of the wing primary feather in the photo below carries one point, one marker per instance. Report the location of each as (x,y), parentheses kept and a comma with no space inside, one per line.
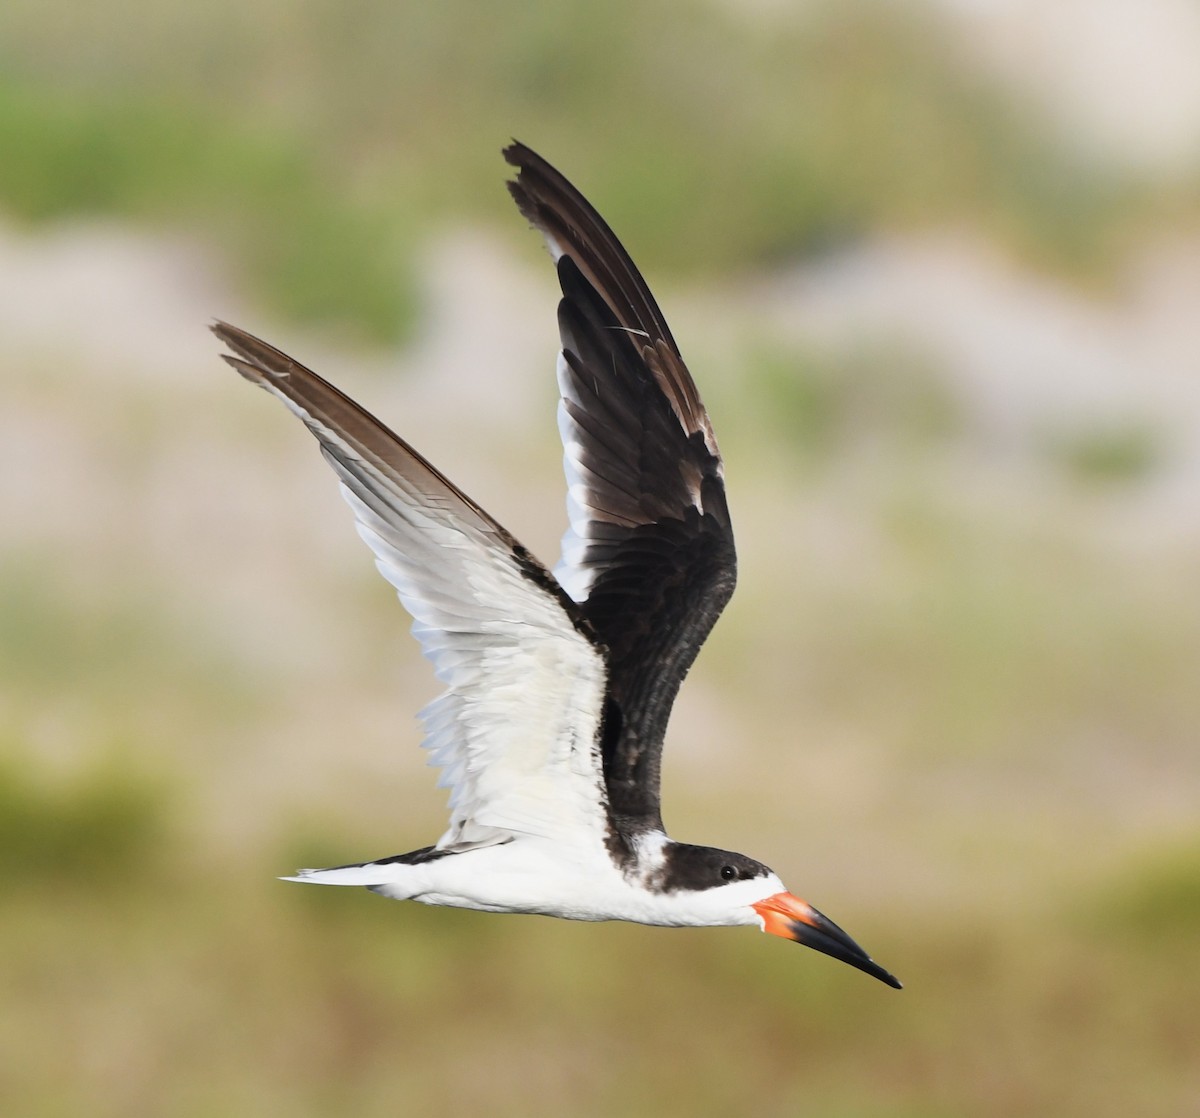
(649,553)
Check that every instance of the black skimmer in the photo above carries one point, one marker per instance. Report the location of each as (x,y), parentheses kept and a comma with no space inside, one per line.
(558,686)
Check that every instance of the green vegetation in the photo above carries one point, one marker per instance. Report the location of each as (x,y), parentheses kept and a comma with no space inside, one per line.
(825,406)
(320,173)
(220,991)
(990,669)
(128,657)
(1122,452)
(1155,904)
(98,829)
(269,198)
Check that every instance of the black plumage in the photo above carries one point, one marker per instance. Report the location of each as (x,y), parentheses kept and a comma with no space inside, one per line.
(658,556)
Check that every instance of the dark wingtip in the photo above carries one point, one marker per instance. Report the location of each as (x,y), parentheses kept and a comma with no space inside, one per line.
(236,360)
(520,155)
(526,160)
(253,353)
(514,152)
(232,336)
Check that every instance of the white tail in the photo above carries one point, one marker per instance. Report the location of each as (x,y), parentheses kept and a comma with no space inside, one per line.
(370,873)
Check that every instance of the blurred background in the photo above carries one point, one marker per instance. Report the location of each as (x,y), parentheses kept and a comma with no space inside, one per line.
(936,268)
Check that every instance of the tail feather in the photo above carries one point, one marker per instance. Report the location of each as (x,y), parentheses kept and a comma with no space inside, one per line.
(395,871)
(368,873)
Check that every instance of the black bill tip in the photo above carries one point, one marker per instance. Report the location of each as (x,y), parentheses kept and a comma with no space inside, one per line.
(822,934)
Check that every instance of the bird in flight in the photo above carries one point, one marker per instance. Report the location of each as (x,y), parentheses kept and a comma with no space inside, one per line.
(559,685)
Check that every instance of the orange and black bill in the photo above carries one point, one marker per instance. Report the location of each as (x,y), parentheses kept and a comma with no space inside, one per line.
(790,917)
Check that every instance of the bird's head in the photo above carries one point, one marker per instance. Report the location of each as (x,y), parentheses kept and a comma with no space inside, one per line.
(733,889)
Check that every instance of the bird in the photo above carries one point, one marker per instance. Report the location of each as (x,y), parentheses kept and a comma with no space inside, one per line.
(559,684)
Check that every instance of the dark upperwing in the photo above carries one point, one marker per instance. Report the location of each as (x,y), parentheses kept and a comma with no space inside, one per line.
(650,554)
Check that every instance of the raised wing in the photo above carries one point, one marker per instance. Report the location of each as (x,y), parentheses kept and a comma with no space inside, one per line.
(515,732)
(649,553)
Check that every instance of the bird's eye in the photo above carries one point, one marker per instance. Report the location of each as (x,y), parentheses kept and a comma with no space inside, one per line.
(728,873)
